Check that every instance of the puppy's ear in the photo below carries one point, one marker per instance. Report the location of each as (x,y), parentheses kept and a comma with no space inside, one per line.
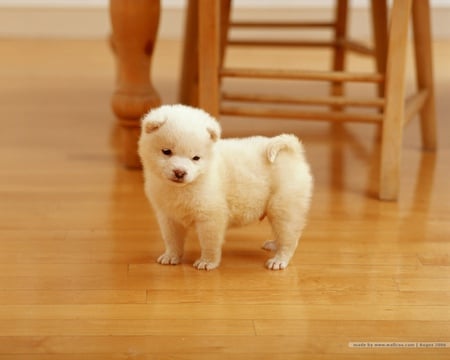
(151,124)
(214,131)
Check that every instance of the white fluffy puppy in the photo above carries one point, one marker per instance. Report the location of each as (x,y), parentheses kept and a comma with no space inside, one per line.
(195,179)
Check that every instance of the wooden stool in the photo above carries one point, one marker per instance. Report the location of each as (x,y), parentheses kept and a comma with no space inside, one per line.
(206,29)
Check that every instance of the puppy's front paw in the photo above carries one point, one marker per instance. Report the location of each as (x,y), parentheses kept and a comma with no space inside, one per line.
(276,264)
(202,264)
(270,245)
(169,259)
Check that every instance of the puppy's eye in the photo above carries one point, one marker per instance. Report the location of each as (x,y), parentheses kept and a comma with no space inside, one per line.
(166,152)
(196,158)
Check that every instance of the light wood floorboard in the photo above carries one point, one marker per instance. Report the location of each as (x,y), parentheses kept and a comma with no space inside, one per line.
(78,241)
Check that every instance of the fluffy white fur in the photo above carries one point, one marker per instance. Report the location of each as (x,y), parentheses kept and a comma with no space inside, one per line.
(195,179)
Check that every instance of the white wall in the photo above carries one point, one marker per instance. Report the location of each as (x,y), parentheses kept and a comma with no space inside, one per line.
(89,18)
(181,3)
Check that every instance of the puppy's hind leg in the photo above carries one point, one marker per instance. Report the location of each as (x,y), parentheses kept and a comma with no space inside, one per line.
(270,245)
(287,225)
(173,235)
(287,239)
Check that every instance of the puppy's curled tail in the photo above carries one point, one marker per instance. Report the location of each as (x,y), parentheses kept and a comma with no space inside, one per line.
(283,142)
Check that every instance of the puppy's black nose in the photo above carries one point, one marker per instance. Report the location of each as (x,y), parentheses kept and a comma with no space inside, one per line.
(179,174)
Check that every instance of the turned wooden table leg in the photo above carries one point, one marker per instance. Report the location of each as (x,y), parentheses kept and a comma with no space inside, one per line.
(134,26)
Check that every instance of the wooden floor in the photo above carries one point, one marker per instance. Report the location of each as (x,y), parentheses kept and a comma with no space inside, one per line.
(78,241)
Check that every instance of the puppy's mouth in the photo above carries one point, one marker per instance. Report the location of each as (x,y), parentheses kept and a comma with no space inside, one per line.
(177,181)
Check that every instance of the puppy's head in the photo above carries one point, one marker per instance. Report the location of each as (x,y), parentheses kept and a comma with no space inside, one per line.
(177,142)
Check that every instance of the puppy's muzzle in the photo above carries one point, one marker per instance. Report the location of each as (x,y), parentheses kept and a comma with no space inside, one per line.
(178,175)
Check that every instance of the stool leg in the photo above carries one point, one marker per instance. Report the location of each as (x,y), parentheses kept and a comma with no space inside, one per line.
(209,55)
(395,94)
(134,25)
(225,11)
(337,88)
(188,91)
(340,34)
(380,35)
(424,70)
